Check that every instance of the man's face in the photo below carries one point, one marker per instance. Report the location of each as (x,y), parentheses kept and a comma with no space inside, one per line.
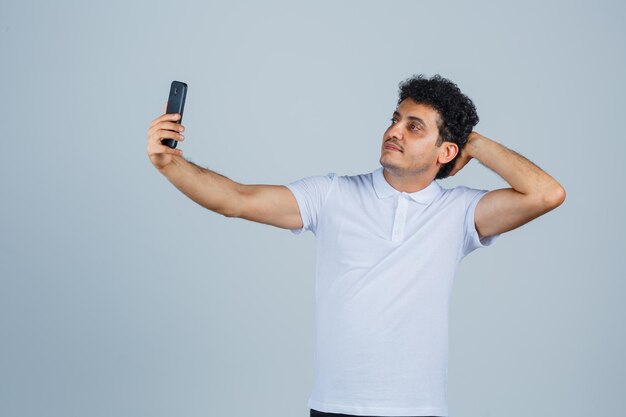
(414,132)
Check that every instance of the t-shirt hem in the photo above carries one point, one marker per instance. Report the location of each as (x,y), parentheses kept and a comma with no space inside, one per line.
(377,411)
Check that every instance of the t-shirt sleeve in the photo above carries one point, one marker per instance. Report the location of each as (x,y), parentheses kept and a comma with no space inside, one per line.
(310,193)
(471,239)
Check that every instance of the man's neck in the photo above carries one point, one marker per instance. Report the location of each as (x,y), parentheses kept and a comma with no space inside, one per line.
(409,183)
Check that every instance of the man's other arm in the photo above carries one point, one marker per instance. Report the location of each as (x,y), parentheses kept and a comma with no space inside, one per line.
(533,192)
(274,205)
(269,204)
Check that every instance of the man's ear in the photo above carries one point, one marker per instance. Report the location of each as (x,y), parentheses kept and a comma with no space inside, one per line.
(447,152)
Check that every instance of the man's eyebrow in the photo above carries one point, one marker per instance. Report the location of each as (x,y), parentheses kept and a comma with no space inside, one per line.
(417,119)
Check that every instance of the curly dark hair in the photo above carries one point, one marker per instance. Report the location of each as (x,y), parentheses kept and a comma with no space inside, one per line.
(457,113)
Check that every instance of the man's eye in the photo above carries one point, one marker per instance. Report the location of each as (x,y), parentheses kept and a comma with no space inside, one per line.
(392,120)
(414,127)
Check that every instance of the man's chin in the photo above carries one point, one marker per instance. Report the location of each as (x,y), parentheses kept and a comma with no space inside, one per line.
(388,165)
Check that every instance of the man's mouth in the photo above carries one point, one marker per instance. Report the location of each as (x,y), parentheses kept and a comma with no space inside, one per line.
(393,147)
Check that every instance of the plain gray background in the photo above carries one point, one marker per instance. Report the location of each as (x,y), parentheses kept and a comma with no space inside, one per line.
(119,296)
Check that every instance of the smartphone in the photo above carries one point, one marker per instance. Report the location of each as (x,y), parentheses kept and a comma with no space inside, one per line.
(175,104)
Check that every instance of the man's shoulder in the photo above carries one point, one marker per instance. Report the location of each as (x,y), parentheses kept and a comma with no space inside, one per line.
(460,192)
(358,181)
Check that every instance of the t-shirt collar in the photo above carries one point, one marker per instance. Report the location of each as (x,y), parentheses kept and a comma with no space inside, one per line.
(384,189)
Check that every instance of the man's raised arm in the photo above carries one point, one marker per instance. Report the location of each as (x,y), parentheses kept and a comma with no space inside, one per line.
(533,192)
(269,204)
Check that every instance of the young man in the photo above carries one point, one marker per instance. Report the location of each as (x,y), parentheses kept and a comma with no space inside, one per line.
(388,244)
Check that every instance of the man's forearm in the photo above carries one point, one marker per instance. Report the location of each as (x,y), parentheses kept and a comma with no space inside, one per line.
(207,188)
(524,176)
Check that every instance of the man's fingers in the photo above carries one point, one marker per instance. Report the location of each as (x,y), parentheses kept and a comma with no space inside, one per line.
(165,125)
(166,134)
(165,117)
(167,149)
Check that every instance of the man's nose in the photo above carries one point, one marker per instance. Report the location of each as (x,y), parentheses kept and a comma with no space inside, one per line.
(395,132)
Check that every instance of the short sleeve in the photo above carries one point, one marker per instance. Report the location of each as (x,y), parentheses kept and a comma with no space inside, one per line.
(310,193)
(471,238)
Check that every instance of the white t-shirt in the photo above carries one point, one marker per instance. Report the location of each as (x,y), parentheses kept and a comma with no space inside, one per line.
(385,265)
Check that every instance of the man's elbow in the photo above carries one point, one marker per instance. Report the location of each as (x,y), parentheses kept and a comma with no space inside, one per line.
(554,197)
(232,213)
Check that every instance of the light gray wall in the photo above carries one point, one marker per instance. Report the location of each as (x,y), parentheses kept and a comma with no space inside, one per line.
(121,297)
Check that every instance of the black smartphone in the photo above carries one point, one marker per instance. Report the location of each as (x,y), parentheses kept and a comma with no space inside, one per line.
(175,104)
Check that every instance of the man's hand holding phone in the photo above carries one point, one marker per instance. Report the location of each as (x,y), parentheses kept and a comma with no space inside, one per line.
(164,127)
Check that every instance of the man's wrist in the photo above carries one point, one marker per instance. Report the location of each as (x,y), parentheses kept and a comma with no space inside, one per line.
(474,142)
